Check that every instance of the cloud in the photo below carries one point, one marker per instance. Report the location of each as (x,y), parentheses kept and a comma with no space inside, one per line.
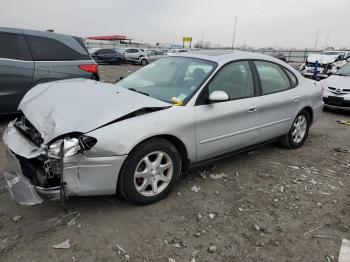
(291,23)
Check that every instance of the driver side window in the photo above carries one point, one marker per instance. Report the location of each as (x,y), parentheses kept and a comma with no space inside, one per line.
(235,79)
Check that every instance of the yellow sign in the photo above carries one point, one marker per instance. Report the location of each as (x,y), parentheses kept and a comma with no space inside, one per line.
(187,39)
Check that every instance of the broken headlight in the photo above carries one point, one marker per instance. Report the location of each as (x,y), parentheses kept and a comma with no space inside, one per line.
(71,146)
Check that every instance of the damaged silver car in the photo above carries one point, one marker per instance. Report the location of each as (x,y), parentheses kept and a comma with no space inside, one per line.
(82,137)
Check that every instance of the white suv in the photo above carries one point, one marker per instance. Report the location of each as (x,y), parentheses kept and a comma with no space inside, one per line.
(132,54)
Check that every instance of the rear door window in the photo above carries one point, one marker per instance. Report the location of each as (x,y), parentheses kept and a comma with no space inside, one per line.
(9,46)
(48,49)
(272,77)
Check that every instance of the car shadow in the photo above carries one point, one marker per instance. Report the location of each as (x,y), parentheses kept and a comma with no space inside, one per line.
(341,112)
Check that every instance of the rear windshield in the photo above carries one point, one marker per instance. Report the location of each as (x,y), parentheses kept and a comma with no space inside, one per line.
(48,49)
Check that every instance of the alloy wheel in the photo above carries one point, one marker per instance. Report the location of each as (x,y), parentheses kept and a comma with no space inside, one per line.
(153,173)
(299,129)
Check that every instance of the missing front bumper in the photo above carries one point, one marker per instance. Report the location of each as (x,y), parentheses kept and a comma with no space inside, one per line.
(20,152)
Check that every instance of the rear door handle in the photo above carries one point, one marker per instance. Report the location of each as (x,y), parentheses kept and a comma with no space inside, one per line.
(251,110)
(296,99)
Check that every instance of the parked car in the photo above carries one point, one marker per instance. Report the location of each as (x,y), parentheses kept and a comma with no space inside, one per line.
(29,57)
(337,88)
(138,136)
(176,51)
(108,56)
(132,54)
(281,56)
(328,63)
(151,55)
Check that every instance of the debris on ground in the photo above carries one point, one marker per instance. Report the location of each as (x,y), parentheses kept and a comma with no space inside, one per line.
(314,229)
(73,220)
(257,227)
(294,167)
(341,150)
(195,189)
(325,237)
(211,216)
(330,258)
(63,245)
(177,243)
(65,218)
(218,176)
(344,253)
(343,122)
(16,218)
(212,249)
(120,249)
(170,259)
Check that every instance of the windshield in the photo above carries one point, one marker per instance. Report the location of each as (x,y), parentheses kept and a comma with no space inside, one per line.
(344,71)
(172,79)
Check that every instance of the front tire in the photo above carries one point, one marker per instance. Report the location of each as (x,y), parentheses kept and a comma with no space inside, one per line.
(143,62)
(150,172)
(299,131)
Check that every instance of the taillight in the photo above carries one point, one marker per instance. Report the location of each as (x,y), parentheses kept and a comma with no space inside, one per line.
(91,68)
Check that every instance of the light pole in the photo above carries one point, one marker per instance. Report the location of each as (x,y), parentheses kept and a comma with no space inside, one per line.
(317,32)
(234,32)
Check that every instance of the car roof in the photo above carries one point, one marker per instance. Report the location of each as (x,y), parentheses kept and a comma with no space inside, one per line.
(224,56)
(33,32)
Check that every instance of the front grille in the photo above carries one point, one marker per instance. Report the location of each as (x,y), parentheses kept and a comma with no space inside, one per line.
(29,131)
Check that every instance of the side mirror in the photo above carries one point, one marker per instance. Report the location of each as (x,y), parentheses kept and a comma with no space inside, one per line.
(218,96)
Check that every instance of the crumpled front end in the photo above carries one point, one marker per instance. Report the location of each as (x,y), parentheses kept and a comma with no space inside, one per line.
(33,170)
(25,172)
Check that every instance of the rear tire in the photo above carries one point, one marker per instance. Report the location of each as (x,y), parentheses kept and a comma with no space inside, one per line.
(150,172)
(298,132)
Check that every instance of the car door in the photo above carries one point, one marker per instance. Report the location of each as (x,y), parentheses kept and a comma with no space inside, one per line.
(279,101)
(127,54)
(16,71)
(109,56)
(231,125)
(97,56)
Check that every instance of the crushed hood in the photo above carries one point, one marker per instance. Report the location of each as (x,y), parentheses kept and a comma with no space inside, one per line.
(322,59)
(80,105)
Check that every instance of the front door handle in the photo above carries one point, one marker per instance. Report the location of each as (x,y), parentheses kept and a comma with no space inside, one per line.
(251,110)
(296,99)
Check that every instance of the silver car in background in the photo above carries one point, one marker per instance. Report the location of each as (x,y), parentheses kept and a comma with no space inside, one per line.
(151,55)
(337,89)
(136,137)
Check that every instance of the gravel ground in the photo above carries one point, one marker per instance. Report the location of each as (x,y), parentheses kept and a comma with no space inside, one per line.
(257,206)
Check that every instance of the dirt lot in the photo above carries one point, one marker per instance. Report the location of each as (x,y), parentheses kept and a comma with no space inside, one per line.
(253,207)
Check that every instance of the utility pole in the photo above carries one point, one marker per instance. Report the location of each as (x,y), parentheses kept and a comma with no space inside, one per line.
(202,39)
(317,32)
(234,32)
(326,42)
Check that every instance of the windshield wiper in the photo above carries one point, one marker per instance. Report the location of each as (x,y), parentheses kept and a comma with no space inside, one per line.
(137,91)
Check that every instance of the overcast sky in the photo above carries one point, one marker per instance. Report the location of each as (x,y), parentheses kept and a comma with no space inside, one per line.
(292,23)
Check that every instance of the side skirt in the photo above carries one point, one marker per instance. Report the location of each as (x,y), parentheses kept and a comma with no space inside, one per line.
(197,165)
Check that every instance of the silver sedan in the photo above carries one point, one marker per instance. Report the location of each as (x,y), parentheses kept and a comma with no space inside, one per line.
(81,137)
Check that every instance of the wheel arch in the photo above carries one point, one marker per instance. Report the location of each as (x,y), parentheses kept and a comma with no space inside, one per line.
(309,110)
(178,143)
